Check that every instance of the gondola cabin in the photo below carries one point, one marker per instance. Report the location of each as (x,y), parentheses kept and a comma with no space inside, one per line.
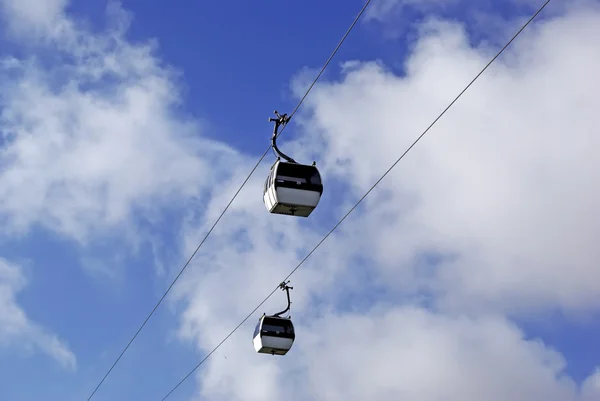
(274,335)
(292,189)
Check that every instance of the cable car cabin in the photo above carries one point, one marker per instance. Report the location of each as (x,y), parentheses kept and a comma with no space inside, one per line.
(292,189)
(273,335)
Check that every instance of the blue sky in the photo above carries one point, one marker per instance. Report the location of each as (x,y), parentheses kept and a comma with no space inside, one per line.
(116,160)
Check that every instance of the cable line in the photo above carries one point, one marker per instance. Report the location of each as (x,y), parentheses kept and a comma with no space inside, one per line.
(230,202)
(361,199)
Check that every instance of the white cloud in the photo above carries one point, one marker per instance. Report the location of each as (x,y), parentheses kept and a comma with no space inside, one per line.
(506,185)
(92,142)
(497,188)
(504,191)
(389,10)
(34,18)
(92,133)
(382,10)
(17,330)
(394,353)
(488,20)
(408,353)
(591,387)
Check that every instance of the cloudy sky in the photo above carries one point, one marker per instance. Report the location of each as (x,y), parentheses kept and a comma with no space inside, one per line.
(470,273)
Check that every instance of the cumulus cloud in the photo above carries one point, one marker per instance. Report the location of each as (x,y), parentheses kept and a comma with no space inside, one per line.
(382,10)
(493,214)
(409,353)
(34,18)
(17,331)
(94,145)
(503,191)
(396,353)
(591,387)
(91,131)
(488,20)
(389,10)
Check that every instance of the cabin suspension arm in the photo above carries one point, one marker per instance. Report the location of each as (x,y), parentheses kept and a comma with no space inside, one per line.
(285,287)
(280,121)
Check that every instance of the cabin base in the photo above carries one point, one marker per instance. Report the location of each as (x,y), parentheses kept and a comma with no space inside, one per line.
(292,210)
(272,351)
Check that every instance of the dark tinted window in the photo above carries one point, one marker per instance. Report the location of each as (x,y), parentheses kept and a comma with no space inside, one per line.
(279,325)
(308,174)
(315,178)
(256,330)
(269,327)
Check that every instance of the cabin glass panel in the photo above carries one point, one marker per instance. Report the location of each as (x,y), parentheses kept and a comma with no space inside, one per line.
(274,329)
(256,330)
(299,173)
(277,325)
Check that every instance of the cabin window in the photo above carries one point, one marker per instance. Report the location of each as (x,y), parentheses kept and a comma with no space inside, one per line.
(315,178)
(298,173)
(273,328)
(297,180)
(256,330)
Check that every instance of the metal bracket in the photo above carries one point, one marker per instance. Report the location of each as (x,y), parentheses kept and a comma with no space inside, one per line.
(285,287)
(280,121)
